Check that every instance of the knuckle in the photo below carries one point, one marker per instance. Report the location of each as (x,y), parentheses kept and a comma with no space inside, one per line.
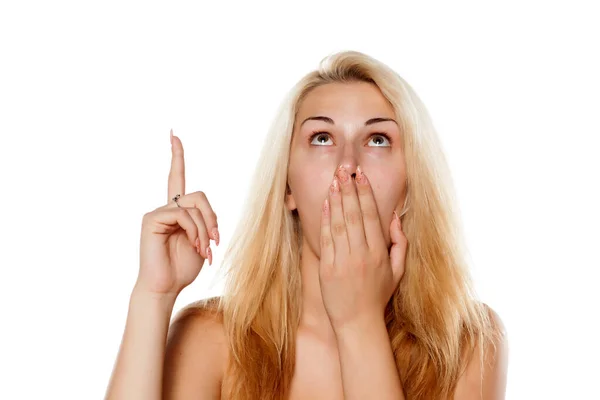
(352,217)
(200,195)
(326,241)
(338,229)
(195,211)
(208,215)
(182,210)
(146,217)
(370,214)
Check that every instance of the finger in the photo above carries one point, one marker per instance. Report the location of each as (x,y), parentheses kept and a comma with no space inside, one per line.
(208,214)
(352,213)
(171,218)
(398,249)
(196,215)
(338,226)
(370,215)
(199,200)
(327,256)
(177,173)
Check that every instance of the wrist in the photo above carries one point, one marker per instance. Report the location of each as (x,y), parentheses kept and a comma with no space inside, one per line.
(142,295)
(361,328)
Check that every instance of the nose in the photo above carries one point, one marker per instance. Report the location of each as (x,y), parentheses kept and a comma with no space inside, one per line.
(350,166)
(348,161)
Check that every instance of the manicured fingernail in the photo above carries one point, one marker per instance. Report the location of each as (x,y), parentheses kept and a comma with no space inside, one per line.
(215,234)
(335,186)
(360,176)
(326,207)
(209,255)
(343,174)
(198,245)
(397,218)
(171,137)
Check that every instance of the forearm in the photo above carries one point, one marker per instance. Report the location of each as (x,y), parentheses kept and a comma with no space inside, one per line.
(367,362)
(138,370)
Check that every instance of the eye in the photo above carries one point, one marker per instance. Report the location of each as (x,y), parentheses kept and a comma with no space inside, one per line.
(319,136)
(381,138)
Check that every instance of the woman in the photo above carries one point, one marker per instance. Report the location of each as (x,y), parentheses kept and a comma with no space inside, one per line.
(346,277)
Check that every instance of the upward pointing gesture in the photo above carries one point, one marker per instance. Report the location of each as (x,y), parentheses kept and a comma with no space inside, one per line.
(175,240)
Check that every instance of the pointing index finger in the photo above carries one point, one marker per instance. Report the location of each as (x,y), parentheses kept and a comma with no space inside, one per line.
(176,183)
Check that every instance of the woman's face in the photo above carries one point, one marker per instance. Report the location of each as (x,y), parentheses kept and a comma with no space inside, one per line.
(348,132)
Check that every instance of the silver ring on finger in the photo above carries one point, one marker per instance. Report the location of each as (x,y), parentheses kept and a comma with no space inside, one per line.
(175,200)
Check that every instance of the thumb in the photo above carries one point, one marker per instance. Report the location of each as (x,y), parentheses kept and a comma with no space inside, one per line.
(398,249)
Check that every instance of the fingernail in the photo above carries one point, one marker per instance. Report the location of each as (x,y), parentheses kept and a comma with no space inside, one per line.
(171,137)
(198,245)
(215,233)
(397,218)
(360,176)
(209,253)
(343,174)
(335,186)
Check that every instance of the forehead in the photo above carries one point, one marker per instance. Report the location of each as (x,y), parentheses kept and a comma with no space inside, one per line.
(360,99)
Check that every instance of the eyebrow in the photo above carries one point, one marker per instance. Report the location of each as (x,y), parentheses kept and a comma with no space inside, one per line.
(330,121)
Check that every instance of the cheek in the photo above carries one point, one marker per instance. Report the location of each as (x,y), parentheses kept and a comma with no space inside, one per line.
(312,189)
(387,193)
(310,179)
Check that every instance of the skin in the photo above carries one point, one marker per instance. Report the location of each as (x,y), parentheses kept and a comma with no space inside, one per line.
(345,145)
(350,266)
(343,350)
(174,244)
(349,143)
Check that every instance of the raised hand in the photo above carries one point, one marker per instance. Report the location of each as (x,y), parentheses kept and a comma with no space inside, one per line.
(357,274)
(175,241)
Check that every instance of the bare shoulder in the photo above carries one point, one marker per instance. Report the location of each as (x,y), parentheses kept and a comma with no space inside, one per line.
(196,352)
(486,379)
(496,320)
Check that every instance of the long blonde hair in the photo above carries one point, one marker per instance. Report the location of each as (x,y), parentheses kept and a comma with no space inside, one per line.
(434,320)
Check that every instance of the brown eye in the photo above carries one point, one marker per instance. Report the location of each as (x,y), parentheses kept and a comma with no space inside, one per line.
(321,137)
(381,139)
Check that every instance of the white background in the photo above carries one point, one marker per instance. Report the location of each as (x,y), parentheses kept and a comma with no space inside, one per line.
(90,90)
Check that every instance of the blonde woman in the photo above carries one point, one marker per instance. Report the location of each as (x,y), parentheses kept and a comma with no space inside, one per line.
(346,278)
